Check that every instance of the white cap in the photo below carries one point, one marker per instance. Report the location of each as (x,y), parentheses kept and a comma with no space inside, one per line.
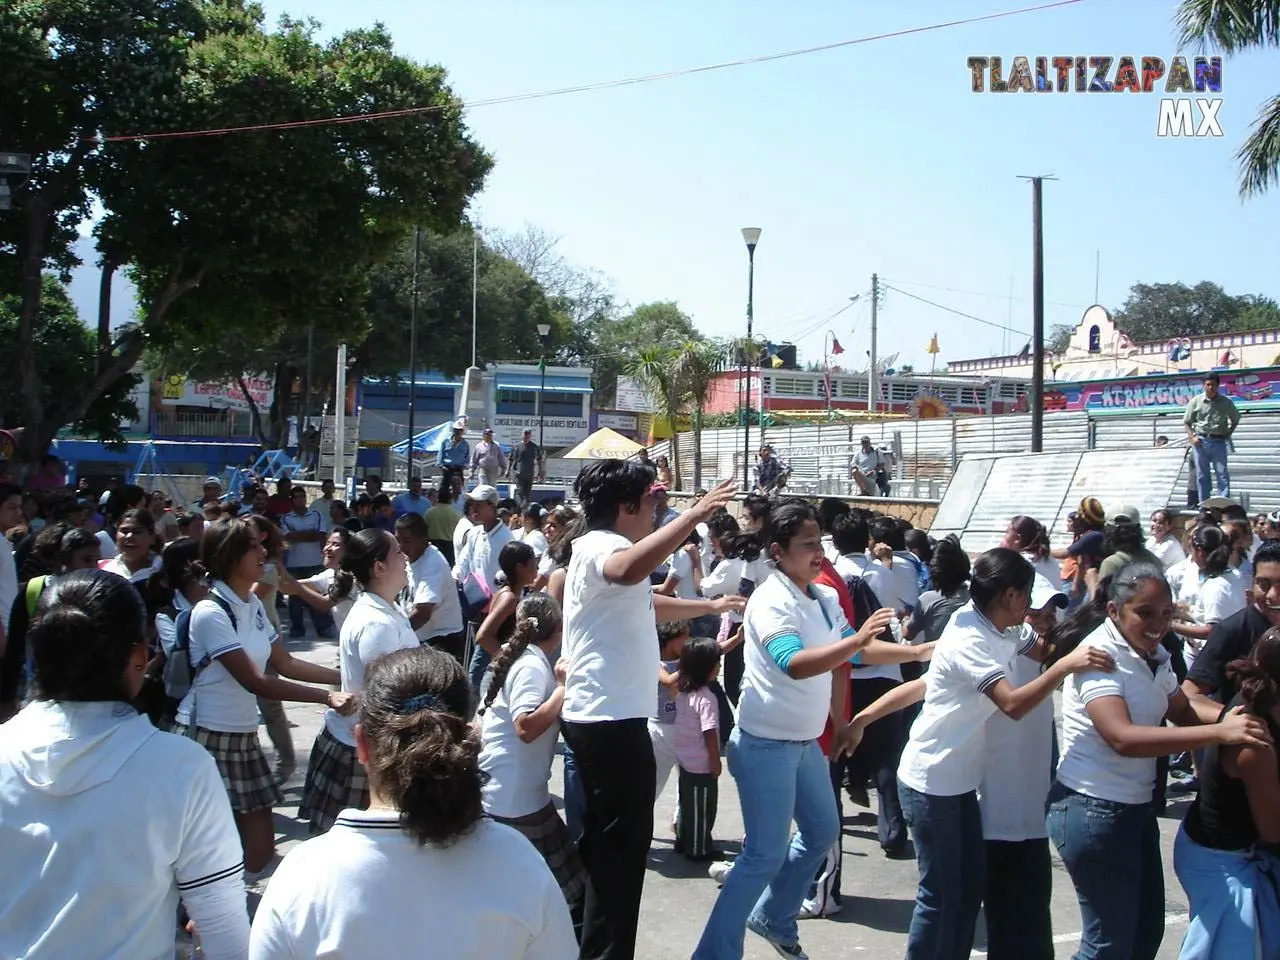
(1044,593)
(483,492)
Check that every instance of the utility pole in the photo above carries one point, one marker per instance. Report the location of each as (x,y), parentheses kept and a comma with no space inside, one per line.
(413,346)
(1037,312)
(751,236)
(872,392)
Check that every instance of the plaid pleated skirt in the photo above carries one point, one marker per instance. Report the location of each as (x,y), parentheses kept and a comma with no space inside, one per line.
(547,832)
(335,782)
(245,772)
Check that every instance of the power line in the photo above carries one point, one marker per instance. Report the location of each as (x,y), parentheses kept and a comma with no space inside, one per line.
(578,88)
(979,293)
(959,313)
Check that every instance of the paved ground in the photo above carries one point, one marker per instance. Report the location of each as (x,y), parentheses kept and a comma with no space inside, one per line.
(878,893)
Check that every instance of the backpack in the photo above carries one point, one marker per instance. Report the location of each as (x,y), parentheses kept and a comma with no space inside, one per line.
(179,672)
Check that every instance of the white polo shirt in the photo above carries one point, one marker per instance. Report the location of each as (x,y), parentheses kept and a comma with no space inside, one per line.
(681,565)
(373,627)
(610,637)
(221,703)
(117,566)
(1088,765)
(368,889)
(1017,761)
(944,752)
(321,582)
(479,555)
(886,588)
(431,581)
(518,771)
(1168,551)
(773,705)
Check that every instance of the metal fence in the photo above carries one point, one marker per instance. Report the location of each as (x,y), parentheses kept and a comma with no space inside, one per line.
(926,452)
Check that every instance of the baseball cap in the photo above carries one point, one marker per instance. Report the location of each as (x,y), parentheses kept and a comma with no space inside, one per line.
(483,492)
(212,480)
(1126,514)
(1044,593)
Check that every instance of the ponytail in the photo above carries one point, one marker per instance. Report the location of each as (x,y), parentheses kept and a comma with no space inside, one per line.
(1257,676)
(1216,545)
(537,618)
(341,586)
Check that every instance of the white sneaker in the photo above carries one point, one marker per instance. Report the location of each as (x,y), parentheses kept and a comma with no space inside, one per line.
(812,909)
(718,871)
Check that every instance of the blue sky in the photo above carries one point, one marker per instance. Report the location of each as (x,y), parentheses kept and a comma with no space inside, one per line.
(875,157)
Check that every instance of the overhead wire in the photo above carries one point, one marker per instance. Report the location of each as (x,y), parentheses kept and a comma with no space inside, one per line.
(979,293)
(959,313)
(456,103)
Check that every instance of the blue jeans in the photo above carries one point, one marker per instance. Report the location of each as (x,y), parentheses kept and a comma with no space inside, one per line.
(778,781)
(1112,852)
(1212,451)
(476,670)
(951,855)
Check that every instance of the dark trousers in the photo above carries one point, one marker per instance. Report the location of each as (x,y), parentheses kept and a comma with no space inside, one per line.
(524,489)
(699,797)
(1019,885)
(322,620)
(619,780)
(733,666)
(876,759)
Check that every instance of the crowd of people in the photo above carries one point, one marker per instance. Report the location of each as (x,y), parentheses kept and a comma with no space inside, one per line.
(815,652)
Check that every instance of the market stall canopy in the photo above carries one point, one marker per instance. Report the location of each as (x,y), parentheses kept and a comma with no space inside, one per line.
(604,444)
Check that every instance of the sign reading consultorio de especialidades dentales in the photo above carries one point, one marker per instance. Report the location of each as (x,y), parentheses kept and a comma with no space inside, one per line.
(1164,393)
(556,431)
(1180,113)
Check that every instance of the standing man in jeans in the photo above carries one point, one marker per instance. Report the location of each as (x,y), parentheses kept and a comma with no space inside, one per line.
(454,453)
(304,529)
(611,644)
(1210,420)
(487,460)
(526,463)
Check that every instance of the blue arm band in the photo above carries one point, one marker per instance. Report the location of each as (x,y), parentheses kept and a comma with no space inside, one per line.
(856,659)
(846,633)
(783,647)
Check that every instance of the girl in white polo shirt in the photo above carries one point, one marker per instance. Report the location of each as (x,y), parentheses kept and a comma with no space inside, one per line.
(1101,813)
(795,635)
(422,872)
(519,730)
(376,625)
(941,767)
(136,559)
(1210,591)
(231,643)
(105,821)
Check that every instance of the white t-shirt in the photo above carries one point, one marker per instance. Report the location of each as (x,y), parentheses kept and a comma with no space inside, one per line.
(724,579)
(221,704)
(1168,551)
(106,545)
(431,581)
(774,705)
(1017,761)
(610,637)
(887,588)
(518,771)
(1209,600)
(1088,764)
(8,580)
(309,554)
(321,583)
(480,553)
(1180,571)
(1047,567)
(167,627)
(536,540)
(682,567)
(104,820)
(116,565)
(367,889)
(944,751)
(867,461)
(373,628)
(461,534)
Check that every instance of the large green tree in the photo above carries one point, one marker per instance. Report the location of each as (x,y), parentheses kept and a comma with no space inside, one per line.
(243,237)
(1158,311)
(65,352)
(618,343)
(1233,26)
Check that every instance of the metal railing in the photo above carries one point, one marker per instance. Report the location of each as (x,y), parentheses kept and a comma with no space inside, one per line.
(221,424)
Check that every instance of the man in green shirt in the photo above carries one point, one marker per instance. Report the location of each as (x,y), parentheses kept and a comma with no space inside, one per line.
(1210,420)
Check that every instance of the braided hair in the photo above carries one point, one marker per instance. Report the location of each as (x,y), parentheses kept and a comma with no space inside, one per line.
(537,618)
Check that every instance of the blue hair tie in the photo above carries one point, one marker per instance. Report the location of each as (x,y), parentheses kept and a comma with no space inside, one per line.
(423,701)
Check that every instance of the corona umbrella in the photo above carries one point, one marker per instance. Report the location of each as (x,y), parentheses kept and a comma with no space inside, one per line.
(604,444)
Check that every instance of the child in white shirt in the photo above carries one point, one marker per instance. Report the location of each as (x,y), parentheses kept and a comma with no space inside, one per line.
(697,745)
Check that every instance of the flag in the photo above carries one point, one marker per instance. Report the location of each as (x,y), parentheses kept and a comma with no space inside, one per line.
(776,361)
(835,346)
(933,344)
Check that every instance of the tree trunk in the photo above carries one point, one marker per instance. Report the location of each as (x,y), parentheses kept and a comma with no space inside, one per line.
(255,417)
(673,409)
(280,395)
(109,267)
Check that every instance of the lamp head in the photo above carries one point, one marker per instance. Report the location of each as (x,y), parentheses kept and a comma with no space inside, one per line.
(751,235)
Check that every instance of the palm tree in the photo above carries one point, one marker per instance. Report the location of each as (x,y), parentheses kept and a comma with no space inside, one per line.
(655,366)
(698,363)
(1232,26)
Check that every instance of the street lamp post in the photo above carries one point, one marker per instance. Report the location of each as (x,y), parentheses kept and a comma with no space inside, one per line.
(413,345)
(544,331)
(751,235)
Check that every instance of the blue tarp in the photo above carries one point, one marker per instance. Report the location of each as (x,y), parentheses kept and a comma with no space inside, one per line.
(426,442)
